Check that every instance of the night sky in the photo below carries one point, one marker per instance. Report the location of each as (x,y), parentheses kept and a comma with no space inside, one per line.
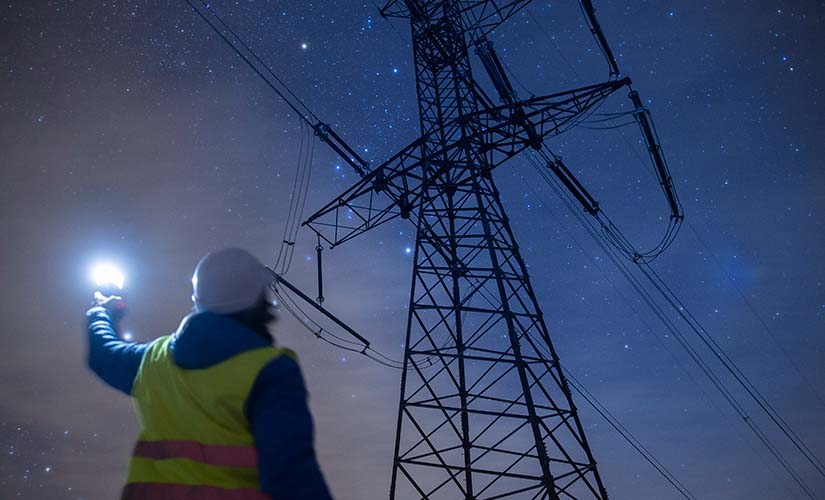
(129,132)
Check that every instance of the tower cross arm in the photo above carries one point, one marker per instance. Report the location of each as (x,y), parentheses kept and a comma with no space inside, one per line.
(408,177)
(480,16)
(538,118)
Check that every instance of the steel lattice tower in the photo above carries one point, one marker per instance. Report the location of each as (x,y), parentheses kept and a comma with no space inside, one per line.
(485,411)
(493,416)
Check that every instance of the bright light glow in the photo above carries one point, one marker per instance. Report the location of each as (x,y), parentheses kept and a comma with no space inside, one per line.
(128,336)
(107,274)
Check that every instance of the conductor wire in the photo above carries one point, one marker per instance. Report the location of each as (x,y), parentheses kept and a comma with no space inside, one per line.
(691,352)
(208,8)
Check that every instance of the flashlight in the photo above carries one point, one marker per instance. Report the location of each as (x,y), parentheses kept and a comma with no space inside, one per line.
(108,279)
(109,282)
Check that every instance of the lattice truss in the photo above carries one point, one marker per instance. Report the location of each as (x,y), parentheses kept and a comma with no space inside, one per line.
(484,410)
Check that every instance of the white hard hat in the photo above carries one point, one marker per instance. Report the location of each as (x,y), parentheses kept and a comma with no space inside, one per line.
(228,281)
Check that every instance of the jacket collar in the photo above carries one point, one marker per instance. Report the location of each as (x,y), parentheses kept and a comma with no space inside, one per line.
(205,339)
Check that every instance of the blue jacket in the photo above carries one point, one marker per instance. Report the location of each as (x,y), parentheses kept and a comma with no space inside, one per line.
(276,407)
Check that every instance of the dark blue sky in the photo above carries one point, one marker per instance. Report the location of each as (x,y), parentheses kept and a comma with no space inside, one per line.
(129,132)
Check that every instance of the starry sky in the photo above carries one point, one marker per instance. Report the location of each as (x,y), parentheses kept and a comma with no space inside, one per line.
(131,133)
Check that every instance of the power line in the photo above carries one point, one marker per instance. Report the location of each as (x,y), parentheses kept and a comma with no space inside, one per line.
(323,130)
(649,328)
(758,317)
(246,58)
(731,366)
(555,46)
(608,248)
(323,334)
(297,199)
(630,438)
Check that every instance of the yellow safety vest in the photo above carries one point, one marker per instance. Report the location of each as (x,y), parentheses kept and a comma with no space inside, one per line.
(196,442)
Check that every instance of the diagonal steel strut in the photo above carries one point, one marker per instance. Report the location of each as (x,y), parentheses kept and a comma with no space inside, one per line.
(401,178)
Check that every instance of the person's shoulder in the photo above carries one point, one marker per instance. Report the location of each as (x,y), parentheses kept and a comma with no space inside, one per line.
(283,363)
(282,371)
(285,352)
(281,377)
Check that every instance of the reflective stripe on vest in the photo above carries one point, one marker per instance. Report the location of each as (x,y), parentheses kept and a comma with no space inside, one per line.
(210,454)
(196,442)
(165,491)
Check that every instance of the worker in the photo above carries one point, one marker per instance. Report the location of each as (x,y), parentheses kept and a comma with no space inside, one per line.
(224,414)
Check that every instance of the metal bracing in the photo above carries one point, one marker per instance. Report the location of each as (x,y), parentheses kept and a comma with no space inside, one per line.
(479,16)
(492,417)
(485,411)
(402,179)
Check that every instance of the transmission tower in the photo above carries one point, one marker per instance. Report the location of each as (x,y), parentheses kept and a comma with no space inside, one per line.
(484,411)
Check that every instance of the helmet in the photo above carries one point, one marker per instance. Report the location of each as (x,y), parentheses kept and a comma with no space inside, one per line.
(228,281)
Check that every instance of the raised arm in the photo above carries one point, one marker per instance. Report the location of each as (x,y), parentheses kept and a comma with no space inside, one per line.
(115,361)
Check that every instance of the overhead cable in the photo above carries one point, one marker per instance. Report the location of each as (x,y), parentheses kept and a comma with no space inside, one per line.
(322,129)
(650,329)
(609,248)
(248,59)
(297,201)
(757,316)
(626,434)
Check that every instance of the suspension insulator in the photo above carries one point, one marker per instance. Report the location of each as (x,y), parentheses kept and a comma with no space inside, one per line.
(643,118)
(318,252)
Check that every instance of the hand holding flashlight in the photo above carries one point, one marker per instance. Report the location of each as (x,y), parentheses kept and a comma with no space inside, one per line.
(108,294)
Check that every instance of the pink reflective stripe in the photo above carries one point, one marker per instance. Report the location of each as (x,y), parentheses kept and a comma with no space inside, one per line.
(167,491)
(211,454)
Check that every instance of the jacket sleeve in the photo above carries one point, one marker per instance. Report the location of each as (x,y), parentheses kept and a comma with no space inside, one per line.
(113,360)
(282,427)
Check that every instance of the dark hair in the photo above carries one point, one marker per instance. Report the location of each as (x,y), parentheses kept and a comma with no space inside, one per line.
(257,317)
